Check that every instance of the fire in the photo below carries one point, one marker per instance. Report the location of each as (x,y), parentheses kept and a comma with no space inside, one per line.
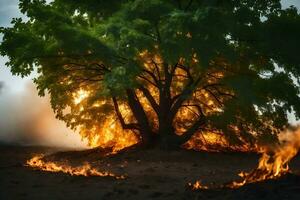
(216,142)
(274,162)
(107,134)
(97,121)
(197,186)
(89,110)
(84,170)
(80,96)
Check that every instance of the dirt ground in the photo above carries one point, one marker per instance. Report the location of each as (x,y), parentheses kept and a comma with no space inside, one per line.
(151,174)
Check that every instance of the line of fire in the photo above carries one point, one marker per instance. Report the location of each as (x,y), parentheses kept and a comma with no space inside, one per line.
(173,99)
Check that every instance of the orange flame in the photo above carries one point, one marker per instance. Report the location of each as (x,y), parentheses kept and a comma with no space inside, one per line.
(274,162)
(216,142)
(109,133)
(197,186)
(84,170)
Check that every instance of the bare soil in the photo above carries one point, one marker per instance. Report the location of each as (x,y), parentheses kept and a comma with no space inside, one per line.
(151,174)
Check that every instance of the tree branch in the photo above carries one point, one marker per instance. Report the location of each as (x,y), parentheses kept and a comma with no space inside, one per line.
(183,96)
(188,6)
(157,69)
(214,96)
(150,98)
(152,76)
(120,117)
(149,81)
(157,32)
(193,129)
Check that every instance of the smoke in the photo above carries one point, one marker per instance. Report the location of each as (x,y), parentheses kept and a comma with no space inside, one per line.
(291,138)
(1,86)
(27,119)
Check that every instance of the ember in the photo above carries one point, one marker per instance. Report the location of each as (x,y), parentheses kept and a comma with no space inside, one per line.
(197,186)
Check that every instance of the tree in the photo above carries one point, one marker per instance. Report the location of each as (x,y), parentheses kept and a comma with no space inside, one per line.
(164,69)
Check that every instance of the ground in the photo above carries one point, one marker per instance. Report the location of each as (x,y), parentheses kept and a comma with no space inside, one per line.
(151,174)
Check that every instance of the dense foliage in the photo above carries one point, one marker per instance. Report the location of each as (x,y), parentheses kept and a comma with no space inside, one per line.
(165,69)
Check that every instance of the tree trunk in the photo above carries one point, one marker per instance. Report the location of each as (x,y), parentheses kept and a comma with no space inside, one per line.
(147,135)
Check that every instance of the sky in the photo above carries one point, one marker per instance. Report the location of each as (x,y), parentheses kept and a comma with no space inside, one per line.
(16,91)
(8,10)
(26,118)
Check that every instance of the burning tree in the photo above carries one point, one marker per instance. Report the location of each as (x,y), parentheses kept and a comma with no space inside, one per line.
(162,72)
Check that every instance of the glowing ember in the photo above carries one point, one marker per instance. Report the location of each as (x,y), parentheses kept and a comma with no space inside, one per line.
(197,186)
(84,170)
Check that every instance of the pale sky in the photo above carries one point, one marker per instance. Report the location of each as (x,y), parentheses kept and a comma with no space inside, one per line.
(16,88)
(8,10)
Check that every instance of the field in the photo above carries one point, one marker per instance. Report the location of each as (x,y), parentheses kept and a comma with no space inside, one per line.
(150,174)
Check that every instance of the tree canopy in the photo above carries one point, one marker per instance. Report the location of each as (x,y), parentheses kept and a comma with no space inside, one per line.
(162,70)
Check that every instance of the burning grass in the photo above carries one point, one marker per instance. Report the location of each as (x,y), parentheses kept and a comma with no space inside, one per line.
(86,169)
(149,172)
(273,163)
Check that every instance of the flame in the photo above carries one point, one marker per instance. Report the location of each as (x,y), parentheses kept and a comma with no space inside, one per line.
(197,186)
(84,170)
(80,96)
(209,141)
(102,128)
(274,162)
(107,134)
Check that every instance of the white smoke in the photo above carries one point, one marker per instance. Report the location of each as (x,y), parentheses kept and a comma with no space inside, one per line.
(27,119)
(1,86)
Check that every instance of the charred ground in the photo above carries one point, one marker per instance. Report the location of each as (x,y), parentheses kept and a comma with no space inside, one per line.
(151,174)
